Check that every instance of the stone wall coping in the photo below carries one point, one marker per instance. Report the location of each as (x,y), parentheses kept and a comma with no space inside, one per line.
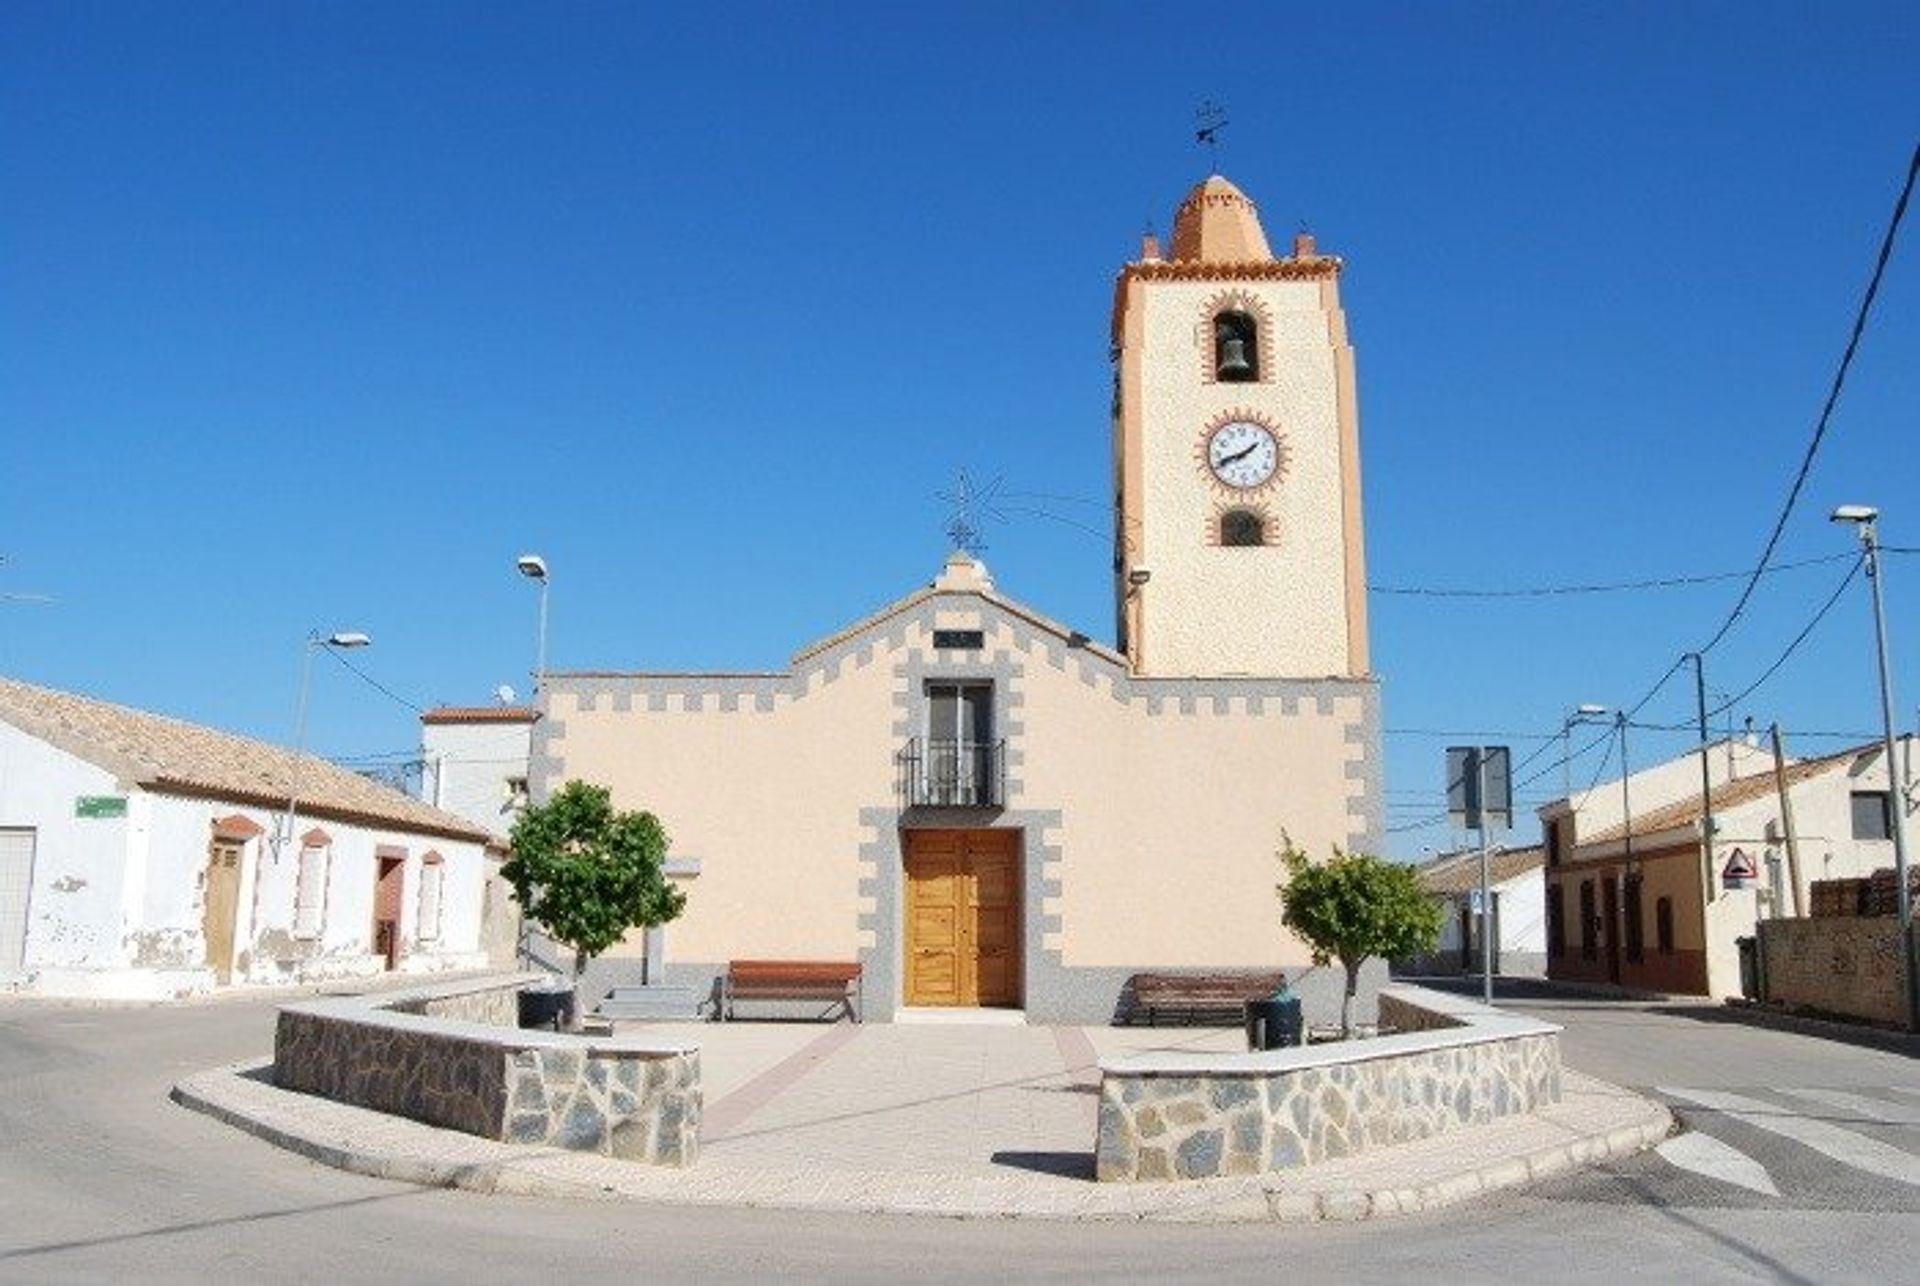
(1476,1024)
(377,1010)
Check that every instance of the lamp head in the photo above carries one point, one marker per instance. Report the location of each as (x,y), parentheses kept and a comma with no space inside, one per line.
(532,566)
(347,638)
(1854,513)
(1587,710)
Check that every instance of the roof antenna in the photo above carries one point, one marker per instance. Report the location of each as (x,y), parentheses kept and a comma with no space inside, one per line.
(1208,120)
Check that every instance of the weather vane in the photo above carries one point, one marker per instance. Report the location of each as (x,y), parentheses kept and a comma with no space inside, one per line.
(972,507)
(1208,120)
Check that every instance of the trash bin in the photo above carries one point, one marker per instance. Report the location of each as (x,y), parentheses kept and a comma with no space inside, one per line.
(550,1007)
(1749,949)
(1274,1022)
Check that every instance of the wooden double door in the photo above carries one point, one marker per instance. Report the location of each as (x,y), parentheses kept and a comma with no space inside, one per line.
(963,918)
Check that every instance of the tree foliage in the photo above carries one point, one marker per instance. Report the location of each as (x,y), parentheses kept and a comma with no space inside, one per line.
(587,874)
(1353,906)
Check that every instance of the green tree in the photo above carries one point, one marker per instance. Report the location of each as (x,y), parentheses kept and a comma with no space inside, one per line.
(587,874)
(1356,905)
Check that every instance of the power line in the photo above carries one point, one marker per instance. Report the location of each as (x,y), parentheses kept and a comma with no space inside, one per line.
(1782,659)
(1602,587)
(1826,411)
(372,682)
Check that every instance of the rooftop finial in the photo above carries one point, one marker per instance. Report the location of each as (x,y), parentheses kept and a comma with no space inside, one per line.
(972,506)
(1208,120)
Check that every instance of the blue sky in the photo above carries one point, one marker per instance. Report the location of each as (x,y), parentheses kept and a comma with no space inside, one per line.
(316,315)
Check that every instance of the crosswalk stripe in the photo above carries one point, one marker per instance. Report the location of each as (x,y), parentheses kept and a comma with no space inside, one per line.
(1873,1109)
(1844,1146)
(1704,1154)
(1912,1091)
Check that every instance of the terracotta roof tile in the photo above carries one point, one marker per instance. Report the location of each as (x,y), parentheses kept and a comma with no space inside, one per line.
(1740,790)
(479,714)
(1458,872)
(176,757)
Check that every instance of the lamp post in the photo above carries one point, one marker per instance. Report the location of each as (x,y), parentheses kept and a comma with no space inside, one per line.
(534,568)
(1865,518)
(341,639)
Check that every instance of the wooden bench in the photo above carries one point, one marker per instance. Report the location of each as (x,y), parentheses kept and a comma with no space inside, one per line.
(831,980)
(1216,997)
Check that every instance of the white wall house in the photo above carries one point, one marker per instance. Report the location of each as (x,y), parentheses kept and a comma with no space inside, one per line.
(475,763)
(137,860)
(1518,885)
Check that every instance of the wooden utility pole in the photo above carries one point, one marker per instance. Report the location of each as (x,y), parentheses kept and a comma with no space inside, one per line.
(1786,821)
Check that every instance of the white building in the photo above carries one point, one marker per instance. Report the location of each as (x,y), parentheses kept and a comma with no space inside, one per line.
(1644,904)
(474,764)
(1518,886)
(137,860)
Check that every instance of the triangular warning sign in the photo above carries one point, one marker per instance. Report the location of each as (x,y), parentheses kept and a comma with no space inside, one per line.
(1739,867)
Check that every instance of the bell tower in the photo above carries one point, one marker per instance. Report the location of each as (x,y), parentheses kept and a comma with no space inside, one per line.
(1236,453)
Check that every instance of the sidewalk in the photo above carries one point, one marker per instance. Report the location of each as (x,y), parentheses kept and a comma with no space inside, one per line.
(965,1122)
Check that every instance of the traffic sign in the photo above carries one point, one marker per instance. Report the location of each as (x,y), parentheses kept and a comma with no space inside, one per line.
(1739,870)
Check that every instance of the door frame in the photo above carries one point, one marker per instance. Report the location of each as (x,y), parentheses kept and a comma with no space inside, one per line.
(1016,838)
(389,861)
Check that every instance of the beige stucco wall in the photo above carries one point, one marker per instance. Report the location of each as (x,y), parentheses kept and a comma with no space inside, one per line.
(1208,610)
(1153,810)
(767,801)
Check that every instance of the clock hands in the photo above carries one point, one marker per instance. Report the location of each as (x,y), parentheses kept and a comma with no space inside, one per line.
(1239,455)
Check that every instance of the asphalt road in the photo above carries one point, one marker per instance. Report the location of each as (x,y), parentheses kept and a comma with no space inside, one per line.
(101,1177)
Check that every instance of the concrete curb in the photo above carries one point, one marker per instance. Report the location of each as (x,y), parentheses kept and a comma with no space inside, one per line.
(1608,1123)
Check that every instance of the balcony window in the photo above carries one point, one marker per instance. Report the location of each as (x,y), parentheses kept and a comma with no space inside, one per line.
(958,764)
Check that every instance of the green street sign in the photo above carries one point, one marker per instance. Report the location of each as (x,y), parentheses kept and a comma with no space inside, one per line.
(100,806)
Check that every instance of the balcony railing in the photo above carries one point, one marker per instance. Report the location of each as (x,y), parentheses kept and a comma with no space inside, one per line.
(952,774)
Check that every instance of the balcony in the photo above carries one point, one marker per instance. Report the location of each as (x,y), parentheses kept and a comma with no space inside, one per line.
(951,774)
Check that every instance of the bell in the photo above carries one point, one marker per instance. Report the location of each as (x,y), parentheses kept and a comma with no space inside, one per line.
(1233,359)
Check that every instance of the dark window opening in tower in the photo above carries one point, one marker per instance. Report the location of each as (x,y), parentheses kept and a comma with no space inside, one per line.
(1236,348)
(1242,527)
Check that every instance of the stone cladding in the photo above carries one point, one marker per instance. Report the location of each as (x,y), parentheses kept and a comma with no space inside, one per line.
(1189,1117)
(442,1056)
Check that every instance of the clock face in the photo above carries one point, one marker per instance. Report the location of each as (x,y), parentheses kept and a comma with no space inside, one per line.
(1243,454)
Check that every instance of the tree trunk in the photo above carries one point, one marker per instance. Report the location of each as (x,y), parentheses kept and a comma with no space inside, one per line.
(1346,998)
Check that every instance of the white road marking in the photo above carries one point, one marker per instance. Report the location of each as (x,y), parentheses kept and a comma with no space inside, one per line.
(1704,1154)
(1844,1146)
(1874,1109)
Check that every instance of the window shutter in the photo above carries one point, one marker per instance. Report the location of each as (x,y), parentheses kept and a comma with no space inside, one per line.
(431,874)
(310,892)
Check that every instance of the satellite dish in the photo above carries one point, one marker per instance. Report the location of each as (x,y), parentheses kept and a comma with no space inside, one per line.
(504,694)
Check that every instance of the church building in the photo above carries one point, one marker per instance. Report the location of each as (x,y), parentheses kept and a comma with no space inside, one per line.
(990,810)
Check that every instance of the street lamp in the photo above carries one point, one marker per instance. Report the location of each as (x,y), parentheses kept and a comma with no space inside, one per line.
(1865,517)
(534,568)
(341,640)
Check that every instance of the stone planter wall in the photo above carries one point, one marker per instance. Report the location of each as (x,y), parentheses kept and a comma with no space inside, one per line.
(638,1100)
(494,1003)
(1455,1065)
